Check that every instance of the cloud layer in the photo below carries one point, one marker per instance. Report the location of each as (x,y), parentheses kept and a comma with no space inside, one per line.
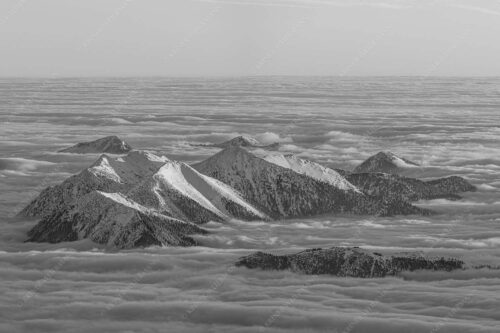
(81,287)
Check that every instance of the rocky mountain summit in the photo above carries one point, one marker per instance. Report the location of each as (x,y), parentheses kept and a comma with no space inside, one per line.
(347,262)
(110,145)
(107,174)
(385,162)
(242,141)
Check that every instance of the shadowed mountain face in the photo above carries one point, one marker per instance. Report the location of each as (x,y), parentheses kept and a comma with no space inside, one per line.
(385,162)
(342,261)
(283,192)
(398,187)
(453,184)
(112,219)
(109,145)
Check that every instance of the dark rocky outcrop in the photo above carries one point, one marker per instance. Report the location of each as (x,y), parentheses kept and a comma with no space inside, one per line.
(110,145)
(347,262)
(113,220)
(397,187)
(453,184)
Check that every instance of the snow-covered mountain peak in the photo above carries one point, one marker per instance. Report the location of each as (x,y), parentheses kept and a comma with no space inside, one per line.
(248,139)
(308,168)
(110,144)
(206,191)
(398,161)
(241,141)
(103,168)
(127,169)
(145,156)
(386,162)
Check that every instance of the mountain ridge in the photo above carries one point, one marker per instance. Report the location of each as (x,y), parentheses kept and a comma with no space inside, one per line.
(122,201)
(283,193)
(109,144)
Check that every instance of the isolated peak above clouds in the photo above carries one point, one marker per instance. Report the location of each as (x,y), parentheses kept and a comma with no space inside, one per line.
(110,144)
(385,161)
(265,140)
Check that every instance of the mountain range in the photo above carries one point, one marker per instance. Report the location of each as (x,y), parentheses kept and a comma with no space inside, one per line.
(144,199)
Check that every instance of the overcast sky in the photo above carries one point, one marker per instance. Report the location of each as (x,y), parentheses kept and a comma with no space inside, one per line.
(249,37)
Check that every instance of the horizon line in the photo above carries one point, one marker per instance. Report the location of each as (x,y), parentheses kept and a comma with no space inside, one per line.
(55,77)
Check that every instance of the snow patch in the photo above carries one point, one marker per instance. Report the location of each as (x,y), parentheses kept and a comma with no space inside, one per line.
(398,161)
(171,173)
(203,189)
(104,169)
(121,199)
(308,168)
(250,140)
(155,158)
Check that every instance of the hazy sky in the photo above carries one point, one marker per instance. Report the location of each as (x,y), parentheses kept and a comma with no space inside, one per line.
(249,37)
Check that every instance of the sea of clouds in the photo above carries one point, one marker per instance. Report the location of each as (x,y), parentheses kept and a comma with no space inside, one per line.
(83,287)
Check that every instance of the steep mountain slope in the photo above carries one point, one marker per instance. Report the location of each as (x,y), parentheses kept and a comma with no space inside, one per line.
(110,144)
(125,201)
(385,162)
(283,193)
(106,174)
(114,220)
(179,190)
(308,168)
